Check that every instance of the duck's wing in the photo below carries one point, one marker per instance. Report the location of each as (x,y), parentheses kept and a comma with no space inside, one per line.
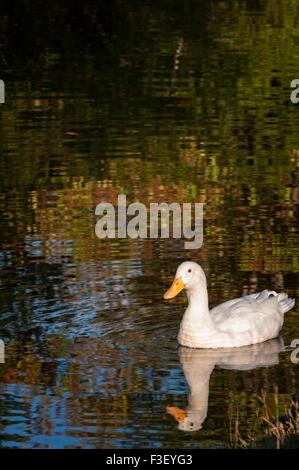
(259,297)
(248,313)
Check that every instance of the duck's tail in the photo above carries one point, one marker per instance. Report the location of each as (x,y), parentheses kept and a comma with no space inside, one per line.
(285,302)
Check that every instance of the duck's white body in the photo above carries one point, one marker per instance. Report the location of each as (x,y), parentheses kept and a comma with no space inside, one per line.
(239,322)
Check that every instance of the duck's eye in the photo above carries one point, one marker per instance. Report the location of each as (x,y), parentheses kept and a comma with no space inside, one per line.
(189,270)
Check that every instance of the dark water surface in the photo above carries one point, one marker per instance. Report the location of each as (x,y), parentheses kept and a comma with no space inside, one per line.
(161,104)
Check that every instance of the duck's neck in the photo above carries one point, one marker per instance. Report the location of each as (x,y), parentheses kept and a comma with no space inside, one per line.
(197,313)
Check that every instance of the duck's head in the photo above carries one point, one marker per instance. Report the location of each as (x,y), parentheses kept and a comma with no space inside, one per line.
(189,275)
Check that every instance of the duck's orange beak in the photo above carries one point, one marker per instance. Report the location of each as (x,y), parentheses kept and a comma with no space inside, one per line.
(174,289)
(178,414)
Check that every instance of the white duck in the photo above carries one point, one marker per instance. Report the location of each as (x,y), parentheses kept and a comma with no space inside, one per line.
(239,322)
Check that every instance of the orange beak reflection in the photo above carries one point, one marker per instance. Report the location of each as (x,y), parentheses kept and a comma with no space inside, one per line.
(178,414)
(175,288)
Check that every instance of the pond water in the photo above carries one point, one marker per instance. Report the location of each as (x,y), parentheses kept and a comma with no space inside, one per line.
(185,105)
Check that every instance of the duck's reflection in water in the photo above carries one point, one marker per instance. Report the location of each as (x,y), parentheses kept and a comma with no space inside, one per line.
(198,364)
